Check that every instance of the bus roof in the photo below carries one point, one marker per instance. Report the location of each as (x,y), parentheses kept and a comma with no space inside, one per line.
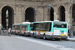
(26,22)
(16,24)
(49,21)
(41,21)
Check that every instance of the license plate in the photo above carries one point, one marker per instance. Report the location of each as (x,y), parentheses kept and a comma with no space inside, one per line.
(59,37)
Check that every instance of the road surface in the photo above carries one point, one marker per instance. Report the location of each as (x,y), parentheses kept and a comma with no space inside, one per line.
(14,42)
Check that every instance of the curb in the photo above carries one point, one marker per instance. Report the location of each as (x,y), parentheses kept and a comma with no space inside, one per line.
(71,39)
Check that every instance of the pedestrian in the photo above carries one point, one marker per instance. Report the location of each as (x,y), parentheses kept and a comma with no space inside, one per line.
(74,32)
(69,32)
(9,30)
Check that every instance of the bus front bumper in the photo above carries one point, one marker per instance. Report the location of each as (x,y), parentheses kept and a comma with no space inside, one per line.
(56,37)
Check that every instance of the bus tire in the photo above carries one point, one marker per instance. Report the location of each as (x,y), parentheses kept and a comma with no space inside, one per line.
(34,35)
(24,34)
(44,37)
(66,39)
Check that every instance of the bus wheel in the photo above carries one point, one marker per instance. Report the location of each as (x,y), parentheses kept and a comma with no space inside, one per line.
(65,39)
(24,34)
(44,37)
(34,36)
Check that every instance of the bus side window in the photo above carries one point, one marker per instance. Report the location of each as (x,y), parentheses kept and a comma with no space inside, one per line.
(34,26)
(64,25)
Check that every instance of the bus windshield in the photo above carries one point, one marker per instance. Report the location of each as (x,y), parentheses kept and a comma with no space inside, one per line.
(17,27)
(42,26)
(24,27)
(60,25)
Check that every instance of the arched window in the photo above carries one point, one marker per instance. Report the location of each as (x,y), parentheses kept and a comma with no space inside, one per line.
(7,17)
(51,14)
(30,13)
(62,13)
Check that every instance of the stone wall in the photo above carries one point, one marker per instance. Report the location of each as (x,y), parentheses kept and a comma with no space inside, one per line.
(42,6)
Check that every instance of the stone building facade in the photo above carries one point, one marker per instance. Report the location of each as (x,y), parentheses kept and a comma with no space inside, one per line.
(18,11)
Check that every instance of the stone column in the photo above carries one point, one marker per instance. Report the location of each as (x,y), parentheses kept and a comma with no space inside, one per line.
(68,16)
(18,18)
(35,14)
(56,14)
(0,20)
(45,14)
(39,16)
(15,17)
(69,20)
(23,14)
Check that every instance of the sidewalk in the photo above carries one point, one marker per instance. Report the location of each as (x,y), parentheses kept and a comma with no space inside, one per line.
(71,39)
(4,32)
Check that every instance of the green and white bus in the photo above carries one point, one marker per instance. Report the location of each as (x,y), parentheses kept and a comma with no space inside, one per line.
(25,28)
(22,29)
(16,28)
(50,29)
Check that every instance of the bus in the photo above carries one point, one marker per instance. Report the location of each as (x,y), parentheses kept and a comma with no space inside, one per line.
(50,29)
(16,29)
(25,28)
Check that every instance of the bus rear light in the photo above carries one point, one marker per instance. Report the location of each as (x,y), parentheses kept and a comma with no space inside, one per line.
(67,34)
(52,33)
